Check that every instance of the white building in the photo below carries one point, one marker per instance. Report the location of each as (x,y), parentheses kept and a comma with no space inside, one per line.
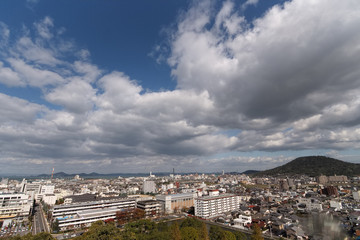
(83,214)
(149,187)
(336,205)
(47,189)
(242,221)
(49,199)
(14,205)
(356,195)
(212,206)
(309,204)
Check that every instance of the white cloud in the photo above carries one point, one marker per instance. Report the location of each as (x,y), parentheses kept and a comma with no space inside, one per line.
(248,3)
(34,76)
(76,96)
(9,77)
(287,81)
(44,28)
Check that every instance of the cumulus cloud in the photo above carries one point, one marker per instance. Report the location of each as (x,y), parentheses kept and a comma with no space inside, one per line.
(287,81)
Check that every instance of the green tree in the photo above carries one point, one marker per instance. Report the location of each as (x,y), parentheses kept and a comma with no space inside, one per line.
(189,233)
(229,235)
(175,231)
(101,231)
(216,233)
(156,236)
(143,226)
(203,232)
(240,236)
(257,235)
(29,236)
(191,222)
(42,236)
(163,226)
(55,226)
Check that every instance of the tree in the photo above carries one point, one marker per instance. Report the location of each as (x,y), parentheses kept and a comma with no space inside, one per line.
(130,214)
(42,236)
(240,236)
(138,214)
(191,222)
(229,235)
(55,226)
(257,235)
(163,226)
(203,232)
(143,226)
(175,231)
(101,231)
(189,233)
(216,233)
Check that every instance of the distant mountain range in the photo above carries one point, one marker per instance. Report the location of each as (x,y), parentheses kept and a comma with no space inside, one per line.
(99,175)
(314,166)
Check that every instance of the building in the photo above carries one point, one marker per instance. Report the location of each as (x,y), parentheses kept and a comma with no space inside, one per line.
(212,206)
(46,195)
(47,189)
(242,221)
(49,199)
(332,179)
(14,205)
(150,207)
(284,186)
(149,187)
(176,202)
(330,191)
(356,195)
(309,204)
(83,214)
(336,205)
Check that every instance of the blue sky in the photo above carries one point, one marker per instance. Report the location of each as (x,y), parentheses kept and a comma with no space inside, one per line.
(138,86)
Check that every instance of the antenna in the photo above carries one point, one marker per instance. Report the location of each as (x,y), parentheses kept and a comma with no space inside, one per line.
(52,174)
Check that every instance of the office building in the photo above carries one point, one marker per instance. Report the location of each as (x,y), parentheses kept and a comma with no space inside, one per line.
(176,202)
(14,205)
(150,207)
(83,214)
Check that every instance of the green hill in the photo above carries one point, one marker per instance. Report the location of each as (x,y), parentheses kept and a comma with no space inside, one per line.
(314,166)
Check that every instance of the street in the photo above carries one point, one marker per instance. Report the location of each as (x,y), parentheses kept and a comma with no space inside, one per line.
(40,224)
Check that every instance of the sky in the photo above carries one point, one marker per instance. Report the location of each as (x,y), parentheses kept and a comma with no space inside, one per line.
(199,86)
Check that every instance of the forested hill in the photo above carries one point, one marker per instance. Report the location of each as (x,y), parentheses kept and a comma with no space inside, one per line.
(314,166)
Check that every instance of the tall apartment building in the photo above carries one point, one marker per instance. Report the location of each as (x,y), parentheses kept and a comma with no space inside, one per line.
(14,205)
(211,206)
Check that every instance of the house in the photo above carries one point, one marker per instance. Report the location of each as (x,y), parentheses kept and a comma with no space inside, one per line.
(242,221)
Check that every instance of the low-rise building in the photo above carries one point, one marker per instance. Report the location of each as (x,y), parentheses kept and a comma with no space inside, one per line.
(150,207)
(83,214)
(242,221)
(309,204)
(175,202)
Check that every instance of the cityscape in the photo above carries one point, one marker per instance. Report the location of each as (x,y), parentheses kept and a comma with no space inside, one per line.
(287,206)
(179,120)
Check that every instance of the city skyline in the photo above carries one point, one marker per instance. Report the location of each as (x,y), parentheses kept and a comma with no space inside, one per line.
(200,86)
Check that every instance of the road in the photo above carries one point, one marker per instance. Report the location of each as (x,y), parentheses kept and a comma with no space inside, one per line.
(40,223)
